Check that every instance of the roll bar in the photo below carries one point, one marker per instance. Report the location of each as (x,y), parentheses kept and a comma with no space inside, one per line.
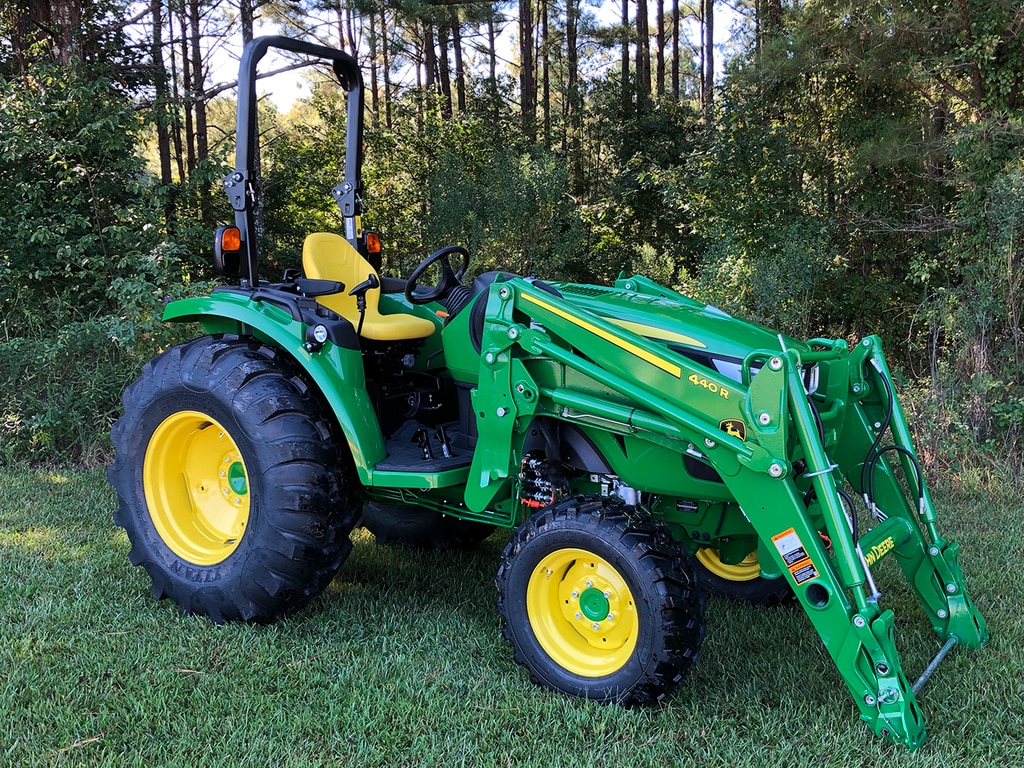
(243,185)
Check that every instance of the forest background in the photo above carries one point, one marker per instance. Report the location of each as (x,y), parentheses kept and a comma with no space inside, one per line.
(839,168)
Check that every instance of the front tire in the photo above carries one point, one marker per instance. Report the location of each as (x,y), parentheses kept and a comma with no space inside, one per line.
(232,490)
(598,602)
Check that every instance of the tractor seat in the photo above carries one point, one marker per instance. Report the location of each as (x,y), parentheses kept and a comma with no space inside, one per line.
(327,256)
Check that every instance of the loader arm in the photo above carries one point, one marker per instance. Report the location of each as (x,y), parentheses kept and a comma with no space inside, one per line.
(786,471)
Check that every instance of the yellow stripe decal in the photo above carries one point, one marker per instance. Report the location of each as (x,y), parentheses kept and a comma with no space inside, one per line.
(656,333)
(643,354)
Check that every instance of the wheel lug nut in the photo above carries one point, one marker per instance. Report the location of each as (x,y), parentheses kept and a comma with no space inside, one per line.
(607,594)
(590,584)
(579,615)
(596,627)
(610,617)
(575,595)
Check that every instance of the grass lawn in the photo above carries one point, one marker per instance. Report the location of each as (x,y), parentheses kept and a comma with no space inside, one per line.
(400,663)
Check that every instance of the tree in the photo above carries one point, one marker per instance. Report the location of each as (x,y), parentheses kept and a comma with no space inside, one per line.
(707,86)
(643,56)
(627,99)
(527,71)
(69,33)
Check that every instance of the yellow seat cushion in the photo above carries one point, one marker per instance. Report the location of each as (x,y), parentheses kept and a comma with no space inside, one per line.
(327,256)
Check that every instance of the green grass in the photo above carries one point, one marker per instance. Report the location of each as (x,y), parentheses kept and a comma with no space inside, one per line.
(400,663)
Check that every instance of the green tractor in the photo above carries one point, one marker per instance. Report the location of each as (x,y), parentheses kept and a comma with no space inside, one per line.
(642,447)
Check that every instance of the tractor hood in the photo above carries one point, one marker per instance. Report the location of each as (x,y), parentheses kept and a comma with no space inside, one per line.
(701,332)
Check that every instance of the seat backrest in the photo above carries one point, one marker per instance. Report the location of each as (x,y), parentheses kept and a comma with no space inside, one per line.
(328,256)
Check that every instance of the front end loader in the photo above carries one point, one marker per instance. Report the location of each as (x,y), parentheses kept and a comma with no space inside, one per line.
(645,449)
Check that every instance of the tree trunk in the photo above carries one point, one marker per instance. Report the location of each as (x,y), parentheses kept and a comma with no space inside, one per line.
(460,72)
(574,110)
(199,104)
(643,56)
(28,24)
(175,114)
(708,64)
(675,50)
(339,12)
(429,56)
(374,95)
(767,21)
(386,65)
(353,41)
(245,19)
(186,80)
(163,138)
(492,58)
(660,42)
(627,101)
(160,110)
(198,83)
(444,71)
(527,78)
(545,73)
(63,26)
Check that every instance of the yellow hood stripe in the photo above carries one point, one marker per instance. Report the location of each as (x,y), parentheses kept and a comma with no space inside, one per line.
(656,333)
(633,349)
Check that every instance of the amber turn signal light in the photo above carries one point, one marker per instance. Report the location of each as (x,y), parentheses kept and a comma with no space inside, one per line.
(229,239)
(372,242)
(227,251)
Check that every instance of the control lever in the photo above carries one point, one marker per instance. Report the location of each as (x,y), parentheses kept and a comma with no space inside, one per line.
(422,438)
(372,281)
(441,435)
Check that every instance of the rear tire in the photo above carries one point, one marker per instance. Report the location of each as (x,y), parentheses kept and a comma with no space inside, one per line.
(420,528)
(232,490)
(742,582)
(598,602)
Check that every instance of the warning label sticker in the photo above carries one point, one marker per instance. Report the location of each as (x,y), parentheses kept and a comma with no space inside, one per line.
(790,547)
(804,573)
(796,557)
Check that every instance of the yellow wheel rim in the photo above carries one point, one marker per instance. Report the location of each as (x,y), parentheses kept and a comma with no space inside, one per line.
(746,570)
(582,612)
(197,487)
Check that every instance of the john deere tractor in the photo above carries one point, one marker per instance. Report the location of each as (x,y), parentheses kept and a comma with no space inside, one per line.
(643,448)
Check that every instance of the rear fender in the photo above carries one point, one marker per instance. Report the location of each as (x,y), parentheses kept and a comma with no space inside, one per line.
(336,370)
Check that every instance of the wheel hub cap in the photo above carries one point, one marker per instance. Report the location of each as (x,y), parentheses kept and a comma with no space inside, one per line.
(236,478)
(582,612)
(594,605)
(196,487)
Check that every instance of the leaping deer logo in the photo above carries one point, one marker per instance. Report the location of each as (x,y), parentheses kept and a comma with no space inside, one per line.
(734,428)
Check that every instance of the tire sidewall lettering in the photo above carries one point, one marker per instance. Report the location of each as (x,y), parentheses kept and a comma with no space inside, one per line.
(196,574)
(155,413)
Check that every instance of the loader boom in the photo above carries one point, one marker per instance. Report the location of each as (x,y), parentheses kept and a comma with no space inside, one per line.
(785,470)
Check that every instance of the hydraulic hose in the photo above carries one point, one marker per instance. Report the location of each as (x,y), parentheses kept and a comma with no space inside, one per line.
(878,439)
(867,474)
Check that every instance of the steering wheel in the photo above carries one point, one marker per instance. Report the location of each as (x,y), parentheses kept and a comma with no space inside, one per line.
(449,277)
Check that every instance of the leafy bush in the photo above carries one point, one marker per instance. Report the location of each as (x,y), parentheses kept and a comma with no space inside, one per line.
(979,320)
(83,268)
